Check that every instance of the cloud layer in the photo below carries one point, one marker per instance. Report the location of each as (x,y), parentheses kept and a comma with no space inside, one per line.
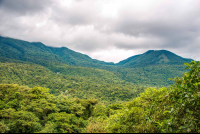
(108,30)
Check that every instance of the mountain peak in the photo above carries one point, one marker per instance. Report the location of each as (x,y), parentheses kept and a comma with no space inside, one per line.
(153,57)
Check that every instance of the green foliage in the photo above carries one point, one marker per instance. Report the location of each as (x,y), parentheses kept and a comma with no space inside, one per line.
(100,110)
(153,57)
(38,53)
(19,121)
(151,76)
(64,102)
(101,84)
(165,110)
(97,125)
(187,96)
(66,123)
(3,128)
(152,68)
(23,122)
(28,110)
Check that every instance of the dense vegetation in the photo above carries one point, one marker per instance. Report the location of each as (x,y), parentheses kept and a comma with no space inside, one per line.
(156,75)
(174,109)
(152,68)
(45,89)
(38,53)
(25,110)
(101,84)
(165,110)
(153,57)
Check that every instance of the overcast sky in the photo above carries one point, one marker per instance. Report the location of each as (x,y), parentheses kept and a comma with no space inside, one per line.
(108,30)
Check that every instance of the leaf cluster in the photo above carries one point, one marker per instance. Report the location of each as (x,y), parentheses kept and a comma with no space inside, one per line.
(28,110)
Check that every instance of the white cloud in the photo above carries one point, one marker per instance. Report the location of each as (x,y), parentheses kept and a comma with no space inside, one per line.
(108,30)
(112,54)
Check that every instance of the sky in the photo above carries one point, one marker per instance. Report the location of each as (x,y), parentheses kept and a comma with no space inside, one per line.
(107,30)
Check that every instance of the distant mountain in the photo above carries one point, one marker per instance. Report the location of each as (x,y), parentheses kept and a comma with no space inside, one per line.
(153,57)
(38,53)
(153,67)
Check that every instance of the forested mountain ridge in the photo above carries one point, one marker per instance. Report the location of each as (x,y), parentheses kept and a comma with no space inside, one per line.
(30,51)
(57,90)
(154,57)
(38,53)
(151,68)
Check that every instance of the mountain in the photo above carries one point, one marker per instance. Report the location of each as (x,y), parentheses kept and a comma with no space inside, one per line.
(79,99)
(152,68)
(38,53)
(153,57)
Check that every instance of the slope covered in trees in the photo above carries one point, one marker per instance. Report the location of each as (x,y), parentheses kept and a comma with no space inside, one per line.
(165,110)
(154,57)
(93,83)
(152,68)
(171,110)
(156,75)
(45,89)
(29,110)
(38,53)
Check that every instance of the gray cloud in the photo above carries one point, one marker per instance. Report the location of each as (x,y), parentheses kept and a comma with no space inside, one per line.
(93,27)
(23,7)
(177,26)
(79,14)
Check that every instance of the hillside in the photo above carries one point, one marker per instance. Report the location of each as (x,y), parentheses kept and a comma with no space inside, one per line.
(152,75)
(95,83)
(167,110)
(45,89)
(163,110)
(38,53)
(154,57)
(153,68)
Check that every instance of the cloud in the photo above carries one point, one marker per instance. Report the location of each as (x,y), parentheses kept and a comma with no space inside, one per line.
(23,7)
(102,28)
(76,13)
(170,20)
